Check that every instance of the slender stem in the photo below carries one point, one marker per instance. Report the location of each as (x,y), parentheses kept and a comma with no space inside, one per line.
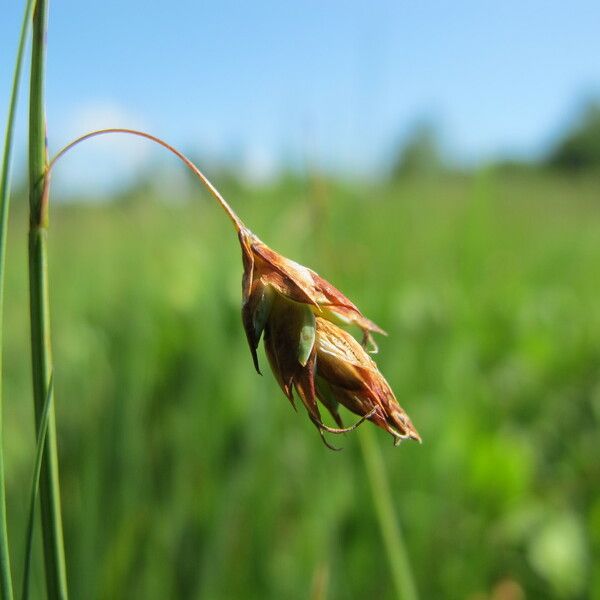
(237,222)
(41,355)
(6,592)
(33,494)
(388,522)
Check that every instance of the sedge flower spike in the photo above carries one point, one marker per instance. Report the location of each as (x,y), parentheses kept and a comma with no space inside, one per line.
(299,313)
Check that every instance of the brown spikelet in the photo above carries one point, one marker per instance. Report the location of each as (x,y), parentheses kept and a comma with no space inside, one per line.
(356,383)
(299,314)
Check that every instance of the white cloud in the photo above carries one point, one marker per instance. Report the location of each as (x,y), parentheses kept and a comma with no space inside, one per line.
(259,164)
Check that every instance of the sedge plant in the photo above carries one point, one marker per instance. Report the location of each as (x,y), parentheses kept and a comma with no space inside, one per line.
(300,315)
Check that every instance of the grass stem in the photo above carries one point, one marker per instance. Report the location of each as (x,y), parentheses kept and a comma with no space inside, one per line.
(35,482)
(54,556)
(388,522)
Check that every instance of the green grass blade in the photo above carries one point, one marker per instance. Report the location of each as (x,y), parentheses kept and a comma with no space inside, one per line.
(388,522)
(39,302)
(39,452)
(6,591)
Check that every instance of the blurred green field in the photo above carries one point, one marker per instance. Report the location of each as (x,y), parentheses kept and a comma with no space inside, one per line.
(185,475)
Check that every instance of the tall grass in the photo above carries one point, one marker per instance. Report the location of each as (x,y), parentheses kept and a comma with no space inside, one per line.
(5,185)
(41,351)
(187,476)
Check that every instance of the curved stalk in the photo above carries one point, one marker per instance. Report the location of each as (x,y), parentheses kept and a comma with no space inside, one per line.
(237,222)
(39,305)
(40,172)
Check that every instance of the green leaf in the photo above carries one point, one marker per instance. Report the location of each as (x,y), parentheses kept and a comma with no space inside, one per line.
(6,591)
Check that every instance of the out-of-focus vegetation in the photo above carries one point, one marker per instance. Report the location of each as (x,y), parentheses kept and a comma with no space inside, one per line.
(185,475)
(580,148)
(576,151)
(420,155)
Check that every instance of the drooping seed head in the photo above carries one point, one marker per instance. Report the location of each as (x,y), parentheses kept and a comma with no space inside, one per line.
(298,311)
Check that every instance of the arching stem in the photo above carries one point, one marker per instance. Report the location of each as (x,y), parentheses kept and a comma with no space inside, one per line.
(237,222)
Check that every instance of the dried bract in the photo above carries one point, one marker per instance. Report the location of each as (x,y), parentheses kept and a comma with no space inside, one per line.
(266,271)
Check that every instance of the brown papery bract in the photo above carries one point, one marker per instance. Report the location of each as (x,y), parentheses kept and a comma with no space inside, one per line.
(299,312)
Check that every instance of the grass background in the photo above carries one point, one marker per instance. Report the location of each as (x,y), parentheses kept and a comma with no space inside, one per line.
(185,475)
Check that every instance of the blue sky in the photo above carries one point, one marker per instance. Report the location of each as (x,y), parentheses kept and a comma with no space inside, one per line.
(328,83)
